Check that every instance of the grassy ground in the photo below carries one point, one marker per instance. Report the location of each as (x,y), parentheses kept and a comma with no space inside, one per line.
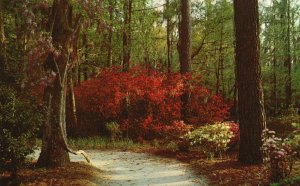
(103,143)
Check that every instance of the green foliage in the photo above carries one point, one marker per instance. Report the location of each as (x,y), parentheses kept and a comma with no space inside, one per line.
(172,146)
(283,125)
(211,139)
(294,138)
(288,181)
(155,143)
(19,121)
(278,42)
(114,130)
(103,143)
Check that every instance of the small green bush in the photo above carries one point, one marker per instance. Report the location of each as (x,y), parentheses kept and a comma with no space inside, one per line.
(172,146)
(211,139)
(114,130)
(294,138)
(19,121)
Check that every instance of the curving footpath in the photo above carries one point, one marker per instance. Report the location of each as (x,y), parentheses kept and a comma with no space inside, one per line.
(139,169)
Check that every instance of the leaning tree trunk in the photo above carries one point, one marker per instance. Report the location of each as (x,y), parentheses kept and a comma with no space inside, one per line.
(55,150)
(250,95)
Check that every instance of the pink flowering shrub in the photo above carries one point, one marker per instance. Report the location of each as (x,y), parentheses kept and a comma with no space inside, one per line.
(279,155)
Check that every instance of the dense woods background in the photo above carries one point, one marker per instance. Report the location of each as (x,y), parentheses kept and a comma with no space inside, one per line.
(148,34)
(150,67)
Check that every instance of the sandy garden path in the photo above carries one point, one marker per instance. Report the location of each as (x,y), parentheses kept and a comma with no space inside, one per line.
(130,168)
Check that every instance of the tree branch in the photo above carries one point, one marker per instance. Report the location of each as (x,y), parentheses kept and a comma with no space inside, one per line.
(197,51)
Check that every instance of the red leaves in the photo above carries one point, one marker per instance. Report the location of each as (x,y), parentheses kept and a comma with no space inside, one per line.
(143,101)
(207,108)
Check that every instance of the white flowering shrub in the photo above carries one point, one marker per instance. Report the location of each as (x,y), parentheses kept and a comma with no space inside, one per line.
(278,155)
(211,139)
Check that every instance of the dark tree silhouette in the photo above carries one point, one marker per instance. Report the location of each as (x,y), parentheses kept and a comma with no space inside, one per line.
(185,33)
(250,95)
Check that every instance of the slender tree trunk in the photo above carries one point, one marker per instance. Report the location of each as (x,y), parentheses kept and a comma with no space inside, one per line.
(109,62)
(251,111)
(294,38)
(219,73)
(84,68)
(288,59)
(85,73)
(222,77)
(185,37)
(217,69)
(234,112)
(185,33)
(73,103)
(169,36)
(127,34)
(78,74)
(274,96)
(3,62)
(274,92)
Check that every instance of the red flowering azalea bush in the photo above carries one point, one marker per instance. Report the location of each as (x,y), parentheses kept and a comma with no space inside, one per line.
(146,103)
(206,108)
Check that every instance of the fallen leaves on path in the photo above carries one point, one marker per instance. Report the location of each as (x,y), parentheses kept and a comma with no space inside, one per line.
(75,173)
(226,170)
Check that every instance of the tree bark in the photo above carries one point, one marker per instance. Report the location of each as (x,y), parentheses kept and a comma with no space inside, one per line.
(288,58)
(169,36)
(220,66)
(55,149)
(127,34)
(274,94)
(3,61)
(185,33)
(73,103)
(109,62)
(78,69)
(185,36)
(250,94)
